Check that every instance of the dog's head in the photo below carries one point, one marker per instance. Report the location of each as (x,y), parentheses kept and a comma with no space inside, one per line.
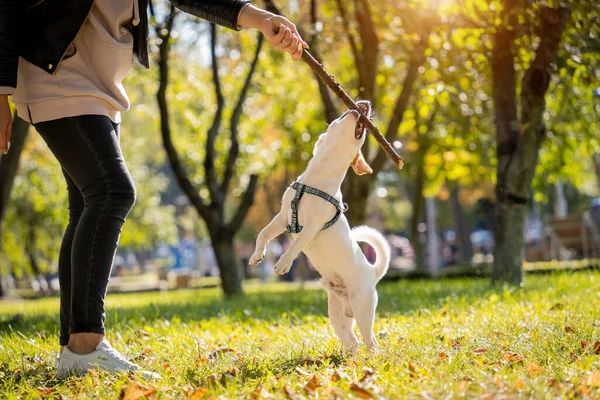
(345,136)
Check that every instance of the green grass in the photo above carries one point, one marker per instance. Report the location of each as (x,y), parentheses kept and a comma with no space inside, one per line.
(536,342)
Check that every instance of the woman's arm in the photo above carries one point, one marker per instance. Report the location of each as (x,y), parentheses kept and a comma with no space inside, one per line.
(9,60)
(237,14)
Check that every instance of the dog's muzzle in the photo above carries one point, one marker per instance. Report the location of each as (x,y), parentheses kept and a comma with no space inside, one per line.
(365,106)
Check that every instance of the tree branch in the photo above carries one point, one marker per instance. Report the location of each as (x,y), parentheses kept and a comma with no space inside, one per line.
(331,111)
(369,49)
(216,195)
(174,160)
(358,60)
(247,201)
(234,150)
(402,102)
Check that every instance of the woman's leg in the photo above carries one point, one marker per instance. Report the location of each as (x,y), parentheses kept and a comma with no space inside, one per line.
(87,148)
(64,257)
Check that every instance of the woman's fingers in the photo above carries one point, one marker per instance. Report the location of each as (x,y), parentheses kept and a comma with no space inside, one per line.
(287,39)
(295,31)
(298,53)
(280,32)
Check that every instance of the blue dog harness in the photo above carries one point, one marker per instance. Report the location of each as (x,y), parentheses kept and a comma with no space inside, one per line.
(300,190)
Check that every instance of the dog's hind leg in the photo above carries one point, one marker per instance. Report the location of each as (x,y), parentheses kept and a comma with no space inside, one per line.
(364,303)
(274,229)
(285,261)
(342,325)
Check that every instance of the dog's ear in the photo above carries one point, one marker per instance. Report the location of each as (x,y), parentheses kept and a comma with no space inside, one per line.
(359,164)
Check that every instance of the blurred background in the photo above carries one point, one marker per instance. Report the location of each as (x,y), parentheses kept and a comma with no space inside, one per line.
(494,107)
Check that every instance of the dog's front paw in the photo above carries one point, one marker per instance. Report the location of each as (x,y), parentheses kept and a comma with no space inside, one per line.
(283,266)
(256,257)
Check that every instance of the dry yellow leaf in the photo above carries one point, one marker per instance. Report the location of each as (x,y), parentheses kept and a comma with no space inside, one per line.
(533,369)
(335,376)
(593,379)
(312,384)
(511,357)
(583,390)
(197,394)
(361,391)
(519,384)
(480,351)
(569,329)
(136,391)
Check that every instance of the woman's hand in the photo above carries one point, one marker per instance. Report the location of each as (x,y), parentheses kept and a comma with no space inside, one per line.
(279,31)
(5,124)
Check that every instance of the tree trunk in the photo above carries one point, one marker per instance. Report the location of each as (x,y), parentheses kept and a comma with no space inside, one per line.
(561,207)
(417,211)
(434,255)
(228,265)
(509,239)
(9,165)
(597,167)
(465,249)
(519,142)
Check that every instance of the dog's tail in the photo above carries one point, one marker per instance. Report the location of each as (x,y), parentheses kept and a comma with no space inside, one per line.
(382,248)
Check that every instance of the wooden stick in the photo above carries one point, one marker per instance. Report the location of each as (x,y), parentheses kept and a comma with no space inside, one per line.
(339,92)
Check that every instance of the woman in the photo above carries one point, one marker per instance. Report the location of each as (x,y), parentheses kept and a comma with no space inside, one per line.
(65,75)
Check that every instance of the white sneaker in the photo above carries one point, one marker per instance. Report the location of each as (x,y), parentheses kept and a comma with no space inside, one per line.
(104,358)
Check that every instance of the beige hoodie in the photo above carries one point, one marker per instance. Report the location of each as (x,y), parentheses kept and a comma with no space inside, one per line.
(89,78)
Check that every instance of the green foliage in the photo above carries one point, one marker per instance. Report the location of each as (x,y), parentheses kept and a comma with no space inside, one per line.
(454,338)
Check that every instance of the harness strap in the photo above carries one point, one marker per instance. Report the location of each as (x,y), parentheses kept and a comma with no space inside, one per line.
(300,190)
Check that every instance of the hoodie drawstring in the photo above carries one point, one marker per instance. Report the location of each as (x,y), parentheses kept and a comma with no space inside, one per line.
(136,12)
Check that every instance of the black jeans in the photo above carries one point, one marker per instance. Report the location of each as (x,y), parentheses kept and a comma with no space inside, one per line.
(101,194)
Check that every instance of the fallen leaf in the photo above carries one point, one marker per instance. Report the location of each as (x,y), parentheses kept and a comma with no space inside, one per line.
(593,379)
(45,391)
(312,384)
(94,375)
(443,356)
(135,391)
(289,394)
(511,357)
(480,351)
(596,348)
(412,368)
(361,391)
(197,394)
(583,390)
(583,344)
(335,376)
(533,369)
(569,329)
(552,382)
(519,384)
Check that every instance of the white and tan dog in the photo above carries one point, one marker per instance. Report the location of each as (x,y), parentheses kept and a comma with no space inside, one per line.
(348,277)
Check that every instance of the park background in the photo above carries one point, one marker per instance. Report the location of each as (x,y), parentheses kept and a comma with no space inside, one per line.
(493,106)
